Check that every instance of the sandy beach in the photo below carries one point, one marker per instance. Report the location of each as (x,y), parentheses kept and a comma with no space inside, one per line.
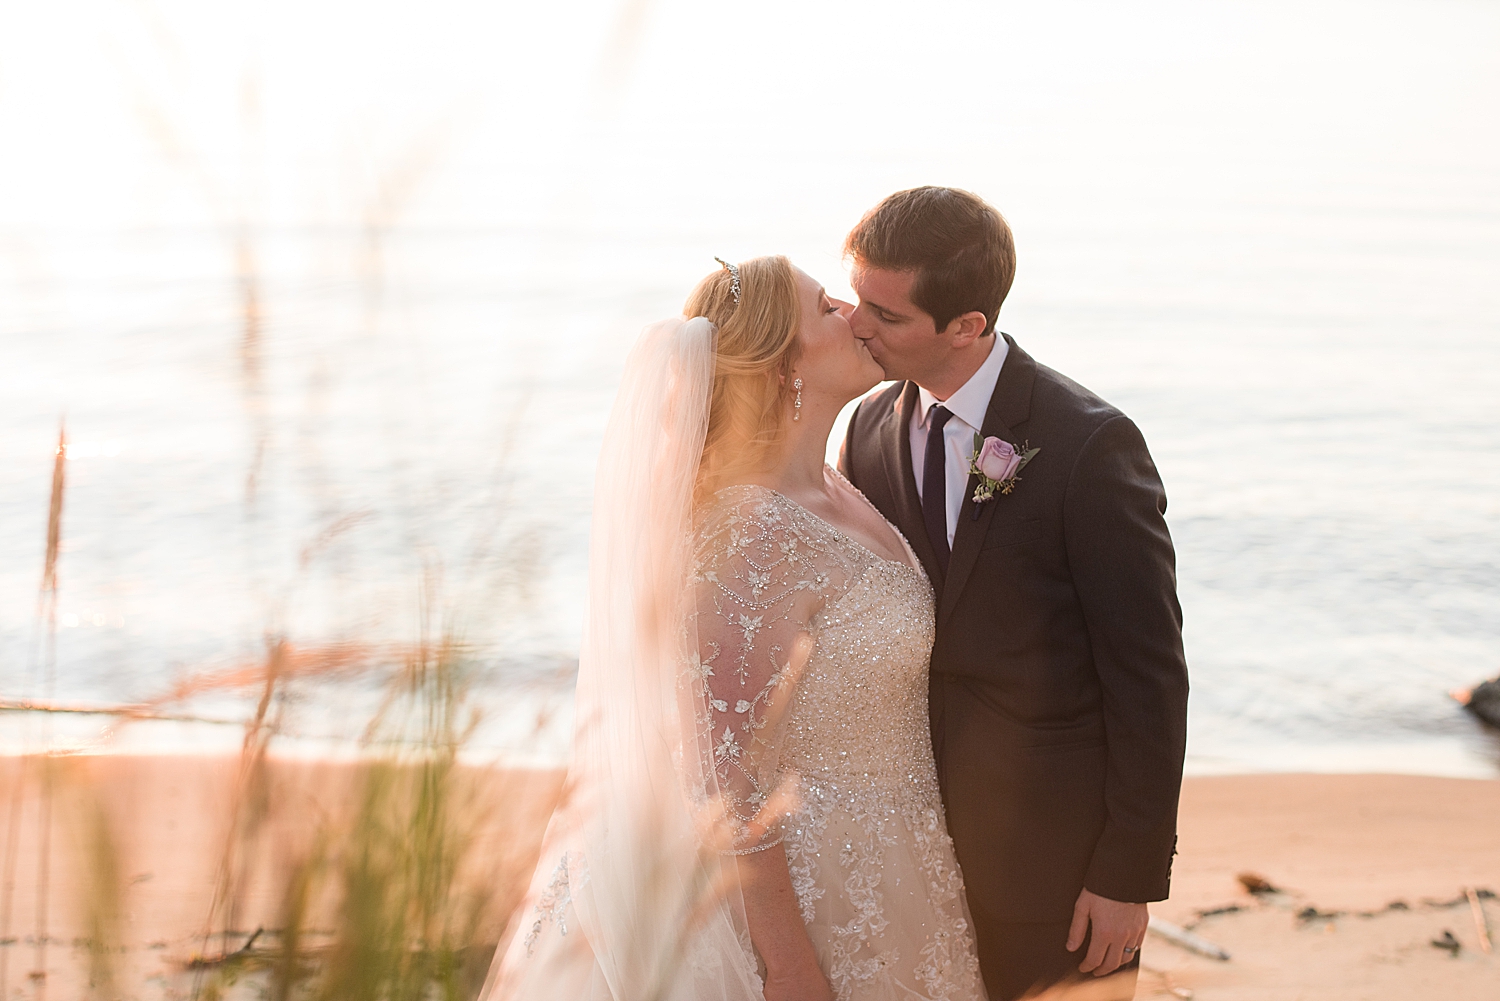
(1367,871)
(1383,860)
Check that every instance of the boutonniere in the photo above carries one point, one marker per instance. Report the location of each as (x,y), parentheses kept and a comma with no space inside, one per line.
(998,464)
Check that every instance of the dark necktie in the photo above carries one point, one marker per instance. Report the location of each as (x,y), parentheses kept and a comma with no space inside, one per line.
(935,487)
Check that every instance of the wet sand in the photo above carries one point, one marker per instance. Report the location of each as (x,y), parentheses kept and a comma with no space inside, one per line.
(1345,845)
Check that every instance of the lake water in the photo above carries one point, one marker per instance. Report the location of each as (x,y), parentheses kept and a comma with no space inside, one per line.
(1269,232)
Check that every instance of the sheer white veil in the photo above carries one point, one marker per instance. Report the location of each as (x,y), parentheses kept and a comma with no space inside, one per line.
(631,900)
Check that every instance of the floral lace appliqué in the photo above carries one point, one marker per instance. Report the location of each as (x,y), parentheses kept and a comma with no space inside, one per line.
(552,906)
(844,734)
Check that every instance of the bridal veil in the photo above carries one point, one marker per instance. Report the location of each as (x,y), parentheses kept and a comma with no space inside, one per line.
(632,899)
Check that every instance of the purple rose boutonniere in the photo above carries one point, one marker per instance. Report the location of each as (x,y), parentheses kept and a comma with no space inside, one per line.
(998,464)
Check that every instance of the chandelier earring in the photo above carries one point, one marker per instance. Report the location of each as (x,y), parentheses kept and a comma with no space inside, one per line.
(797,404)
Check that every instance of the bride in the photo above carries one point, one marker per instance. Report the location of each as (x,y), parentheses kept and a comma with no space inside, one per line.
(753,809)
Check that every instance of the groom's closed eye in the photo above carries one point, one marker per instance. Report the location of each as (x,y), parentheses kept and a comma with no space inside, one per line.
(882,314)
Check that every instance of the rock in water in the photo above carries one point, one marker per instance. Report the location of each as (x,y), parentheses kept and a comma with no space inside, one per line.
(1484,701)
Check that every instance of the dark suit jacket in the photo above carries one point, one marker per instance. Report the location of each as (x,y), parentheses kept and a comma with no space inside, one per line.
(1059,686)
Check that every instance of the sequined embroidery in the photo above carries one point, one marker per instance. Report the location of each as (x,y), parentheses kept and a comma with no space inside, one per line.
(552,908)
(866,841)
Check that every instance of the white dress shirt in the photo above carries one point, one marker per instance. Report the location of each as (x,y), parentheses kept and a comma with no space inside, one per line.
(968,406)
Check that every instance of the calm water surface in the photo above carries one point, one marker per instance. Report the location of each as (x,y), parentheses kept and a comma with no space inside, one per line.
(1268,232)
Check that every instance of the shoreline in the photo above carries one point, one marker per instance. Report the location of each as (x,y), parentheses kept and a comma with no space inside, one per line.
(1345,845)
(1468,755)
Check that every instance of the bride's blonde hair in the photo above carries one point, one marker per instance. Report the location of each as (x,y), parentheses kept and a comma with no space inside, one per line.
(756,347)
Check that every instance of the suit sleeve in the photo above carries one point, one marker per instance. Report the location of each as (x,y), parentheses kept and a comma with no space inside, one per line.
(1124,571)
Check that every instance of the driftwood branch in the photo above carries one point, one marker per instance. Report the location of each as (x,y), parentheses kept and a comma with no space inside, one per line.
(204,962)
(1186,939)
(1480,925)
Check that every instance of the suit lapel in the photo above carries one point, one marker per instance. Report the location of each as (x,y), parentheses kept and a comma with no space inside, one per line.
(895,447)
(1010,406)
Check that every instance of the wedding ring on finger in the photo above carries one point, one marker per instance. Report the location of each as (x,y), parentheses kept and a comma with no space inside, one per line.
(1129,949)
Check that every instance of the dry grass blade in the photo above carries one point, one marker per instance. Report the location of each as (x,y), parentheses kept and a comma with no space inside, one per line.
(46,618)
(405,926)
(252,361)
(47,611)
(54,513)
(328,659)
(8,891)
(248,811)
(103,903)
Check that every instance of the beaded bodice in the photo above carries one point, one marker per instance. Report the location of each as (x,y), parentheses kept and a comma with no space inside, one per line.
(860,710)
(812,654)
(812,719)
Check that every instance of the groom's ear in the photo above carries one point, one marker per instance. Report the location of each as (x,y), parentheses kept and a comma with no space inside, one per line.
(966,328)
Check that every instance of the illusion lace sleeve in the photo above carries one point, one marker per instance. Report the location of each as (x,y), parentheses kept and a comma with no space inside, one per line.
(760,580)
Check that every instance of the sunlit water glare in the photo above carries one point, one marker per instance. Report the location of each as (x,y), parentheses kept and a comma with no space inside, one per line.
(1268,232)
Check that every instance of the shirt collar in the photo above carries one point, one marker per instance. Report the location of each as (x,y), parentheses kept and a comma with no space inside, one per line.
(972,400)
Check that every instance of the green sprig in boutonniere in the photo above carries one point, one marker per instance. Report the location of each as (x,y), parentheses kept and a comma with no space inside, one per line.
(998,464)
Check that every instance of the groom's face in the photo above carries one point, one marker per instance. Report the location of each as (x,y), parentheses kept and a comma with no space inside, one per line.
(900,336)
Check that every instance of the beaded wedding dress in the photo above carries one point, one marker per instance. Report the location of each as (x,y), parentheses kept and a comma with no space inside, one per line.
(750,677)
(865,839)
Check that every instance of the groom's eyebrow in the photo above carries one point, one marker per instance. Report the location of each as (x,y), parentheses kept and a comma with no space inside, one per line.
(881,309)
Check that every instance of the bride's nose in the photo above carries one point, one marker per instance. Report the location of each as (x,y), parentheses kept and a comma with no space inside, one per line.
(846,309)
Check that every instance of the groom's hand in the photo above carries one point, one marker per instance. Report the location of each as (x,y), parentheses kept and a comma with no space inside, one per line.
(1116,927)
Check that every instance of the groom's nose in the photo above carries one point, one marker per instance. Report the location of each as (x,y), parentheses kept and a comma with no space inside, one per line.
(858,323)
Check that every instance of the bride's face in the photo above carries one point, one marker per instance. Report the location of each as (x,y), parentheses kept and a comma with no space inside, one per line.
(833,364)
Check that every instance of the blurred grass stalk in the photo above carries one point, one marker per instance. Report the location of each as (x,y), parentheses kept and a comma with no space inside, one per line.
(408,897)
(45,623)
(382,897)
(103,903)
(405,923)
(382,894)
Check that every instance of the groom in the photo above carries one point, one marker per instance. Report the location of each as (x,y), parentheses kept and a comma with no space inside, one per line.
(1058,687)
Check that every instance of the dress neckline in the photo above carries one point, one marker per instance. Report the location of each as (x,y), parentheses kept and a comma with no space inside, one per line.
(912,563)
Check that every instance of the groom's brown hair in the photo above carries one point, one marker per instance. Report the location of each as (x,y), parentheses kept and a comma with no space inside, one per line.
(956,243)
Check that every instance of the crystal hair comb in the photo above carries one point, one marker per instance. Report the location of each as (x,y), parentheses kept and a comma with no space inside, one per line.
(734,278)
